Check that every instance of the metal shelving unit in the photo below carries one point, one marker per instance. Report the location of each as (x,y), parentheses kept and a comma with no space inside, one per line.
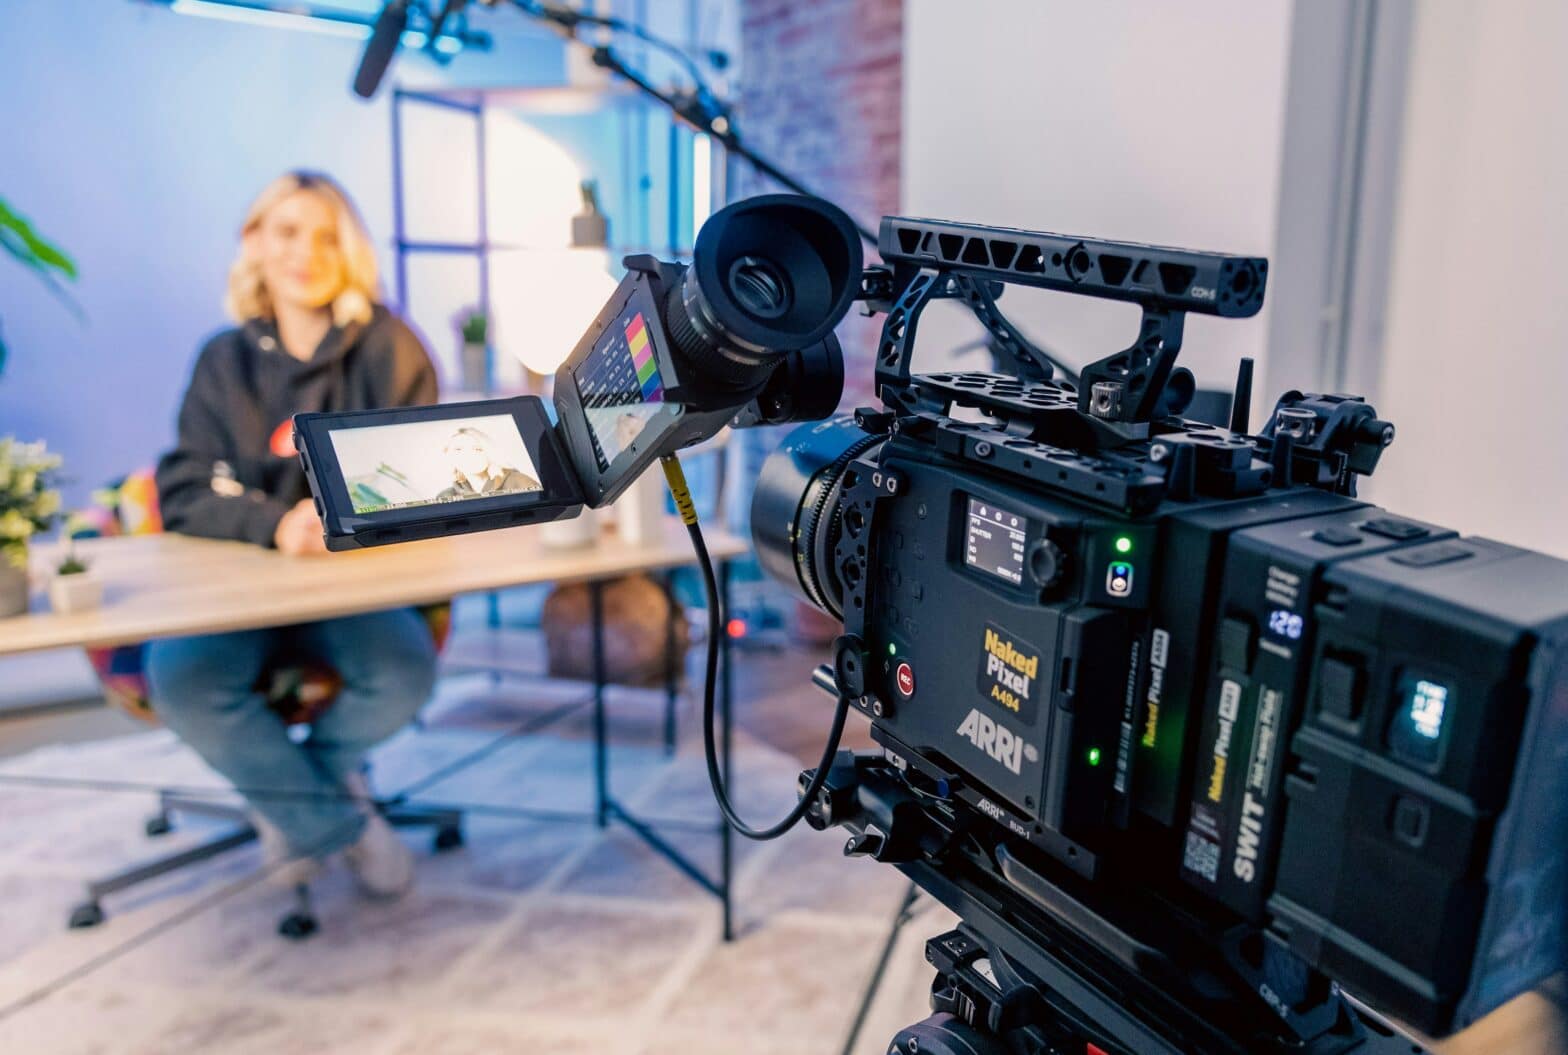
(635,116)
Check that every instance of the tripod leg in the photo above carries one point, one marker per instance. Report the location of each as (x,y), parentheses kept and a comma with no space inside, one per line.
(873,986)
(601,733)
(671,669)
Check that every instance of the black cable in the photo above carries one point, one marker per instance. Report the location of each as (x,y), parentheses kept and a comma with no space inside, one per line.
(688,511)
(568,20)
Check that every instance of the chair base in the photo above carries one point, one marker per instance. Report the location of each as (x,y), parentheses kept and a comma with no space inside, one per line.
(298,924)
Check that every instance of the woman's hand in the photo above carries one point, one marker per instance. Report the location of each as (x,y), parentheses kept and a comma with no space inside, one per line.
(299,532)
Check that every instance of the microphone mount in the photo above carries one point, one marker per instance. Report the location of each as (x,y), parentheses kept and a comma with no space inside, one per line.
(699,107)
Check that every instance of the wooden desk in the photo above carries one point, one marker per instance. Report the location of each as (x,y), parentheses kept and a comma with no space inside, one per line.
(174,585)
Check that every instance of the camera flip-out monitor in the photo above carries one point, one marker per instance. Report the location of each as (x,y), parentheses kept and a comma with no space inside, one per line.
(384,476)
(612,394)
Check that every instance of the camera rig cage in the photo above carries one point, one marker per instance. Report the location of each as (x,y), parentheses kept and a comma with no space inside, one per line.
(1054,963)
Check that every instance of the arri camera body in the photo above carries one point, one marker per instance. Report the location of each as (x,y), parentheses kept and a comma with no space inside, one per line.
(1207,754)
(1168,714)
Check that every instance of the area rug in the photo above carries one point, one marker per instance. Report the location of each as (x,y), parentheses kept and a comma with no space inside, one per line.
(534,937)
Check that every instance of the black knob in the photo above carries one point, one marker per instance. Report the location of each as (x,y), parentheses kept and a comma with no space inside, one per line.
(1047,564)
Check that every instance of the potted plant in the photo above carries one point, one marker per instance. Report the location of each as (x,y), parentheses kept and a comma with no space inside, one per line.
(74,587)
(474,327)
(29,504)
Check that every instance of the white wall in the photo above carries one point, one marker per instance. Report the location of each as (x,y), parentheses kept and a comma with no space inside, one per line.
(135,137)
(1146,122)
(1475,370)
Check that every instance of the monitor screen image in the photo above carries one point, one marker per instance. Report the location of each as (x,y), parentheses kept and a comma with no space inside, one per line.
(620,387)
(420,463)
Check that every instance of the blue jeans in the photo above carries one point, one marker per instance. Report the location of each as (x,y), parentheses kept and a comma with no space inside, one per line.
(203,689)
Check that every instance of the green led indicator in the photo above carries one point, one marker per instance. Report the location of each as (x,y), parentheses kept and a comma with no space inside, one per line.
(892,649)
(1094,756)
(1123,544)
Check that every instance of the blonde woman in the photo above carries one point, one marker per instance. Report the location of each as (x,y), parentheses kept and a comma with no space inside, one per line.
(474,470)
(311,335)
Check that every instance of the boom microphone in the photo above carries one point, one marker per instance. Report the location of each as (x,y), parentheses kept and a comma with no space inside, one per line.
(384,39)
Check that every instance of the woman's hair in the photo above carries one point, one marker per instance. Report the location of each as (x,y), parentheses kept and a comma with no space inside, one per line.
(247,297)
(468,430)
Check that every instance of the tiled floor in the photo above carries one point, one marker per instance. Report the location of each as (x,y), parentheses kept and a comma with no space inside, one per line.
(538,937)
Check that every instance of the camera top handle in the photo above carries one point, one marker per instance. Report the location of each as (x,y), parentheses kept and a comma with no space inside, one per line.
(933,259)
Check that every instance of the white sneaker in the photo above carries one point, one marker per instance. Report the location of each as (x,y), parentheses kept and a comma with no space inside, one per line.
(284,868)
(380,861)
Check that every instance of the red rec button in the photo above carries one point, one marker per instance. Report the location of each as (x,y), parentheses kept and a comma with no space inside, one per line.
(905,676)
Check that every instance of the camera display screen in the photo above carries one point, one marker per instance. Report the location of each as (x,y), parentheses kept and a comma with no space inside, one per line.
(994,541)
(619,386)
(421,463)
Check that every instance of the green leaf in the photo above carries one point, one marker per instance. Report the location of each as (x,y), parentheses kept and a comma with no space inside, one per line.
(11,242)
(44,255)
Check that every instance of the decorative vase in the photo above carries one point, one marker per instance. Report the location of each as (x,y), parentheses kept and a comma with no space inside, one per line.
(78,592)
(13,588)
(639,512)
(476,367)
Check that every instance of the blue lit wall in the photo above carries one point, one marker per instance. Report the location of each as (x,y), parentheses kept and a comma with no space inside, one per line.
(135,138)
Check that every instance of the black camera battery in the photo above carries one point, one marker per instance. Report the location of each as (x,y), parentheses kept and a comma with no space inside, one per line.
(1262,658)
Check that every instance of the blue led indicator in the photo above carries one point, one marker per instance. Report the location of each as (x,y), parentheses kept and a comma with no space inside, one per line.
(1118,579)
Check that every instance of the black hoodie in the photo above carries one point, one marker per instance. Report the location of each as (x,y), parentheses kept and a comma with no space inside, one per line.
(234,472)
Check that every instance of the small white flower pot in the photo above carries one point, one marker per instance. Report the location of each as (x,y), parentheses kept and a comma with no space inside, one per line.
(476,367)
(577,533)
(81,592)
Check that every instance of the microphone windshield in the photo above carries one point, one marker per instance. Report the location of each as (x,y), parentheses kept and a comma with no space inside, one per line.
(382,45)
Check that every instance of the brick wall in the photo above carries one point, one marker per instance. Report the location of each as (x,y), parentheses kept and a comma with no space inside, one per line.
(820,95)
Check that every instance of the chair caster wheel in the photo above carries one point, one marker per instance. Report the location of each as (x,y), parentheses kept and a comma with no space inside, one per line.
(87,914)
(159,825)
(297,926)
(448,839)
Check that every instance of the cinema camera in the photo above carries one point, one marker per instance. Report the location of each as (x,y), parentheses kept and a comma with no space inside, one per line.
(1206,754)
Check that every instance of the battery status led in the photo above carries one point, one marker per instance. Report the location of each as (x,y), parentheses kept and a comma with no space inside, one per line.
(1123,543)
(1094,756)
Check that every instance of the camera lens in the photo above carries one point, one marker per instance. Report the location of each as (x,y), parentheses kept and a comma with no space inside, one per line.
(796,517)
(759,287)
(769,276)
